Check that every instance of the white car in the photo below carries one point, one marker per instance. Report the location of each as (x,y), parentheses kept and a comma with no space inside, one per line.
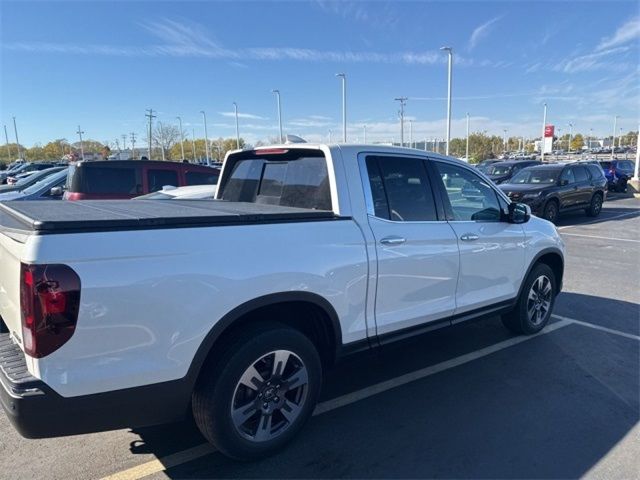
(191,192)
(122,314)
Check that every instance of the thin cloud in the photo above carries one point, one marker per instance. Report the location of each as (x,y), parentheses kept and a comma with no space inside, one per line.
(181,39)
(626,33)
(594,61)
(481,32)
(243,115)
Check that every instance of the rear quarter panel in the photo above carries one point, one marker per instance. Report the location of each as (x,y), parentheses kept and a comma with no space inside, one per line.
(150,297)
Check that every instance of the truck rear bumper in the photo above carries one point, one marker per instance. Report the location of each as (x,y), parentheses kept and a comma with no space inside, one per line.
(36,411)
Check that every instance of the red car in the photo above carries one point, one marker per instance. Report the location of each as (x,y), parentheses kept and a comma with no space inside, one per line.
(114,179)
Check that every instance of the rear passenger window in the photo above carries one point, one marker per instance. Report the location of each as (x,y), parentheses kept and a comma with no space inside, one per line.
(568,176)
(201,178)
(400,189)
(596,171)
(110,180)
(580,174)
(157,179)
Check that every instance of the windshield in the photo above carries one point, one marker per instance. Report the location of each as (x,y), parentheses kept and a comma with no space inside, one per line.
(53,180)
(536,175)
(500,169)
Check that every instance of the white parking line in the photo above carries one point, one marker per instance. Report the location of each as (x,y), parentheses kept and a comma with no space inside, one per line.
(161,464)
(598,327)
(635,212)
(602,238)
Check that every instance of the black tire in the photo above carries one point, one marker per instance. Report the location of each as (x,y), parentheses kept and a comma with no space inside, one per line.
(550,211)
(595,207)
(219,382)
(518,320)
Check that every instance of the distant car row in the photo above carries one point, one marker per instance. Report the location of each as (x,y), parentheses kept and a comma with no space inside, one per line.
(107,180)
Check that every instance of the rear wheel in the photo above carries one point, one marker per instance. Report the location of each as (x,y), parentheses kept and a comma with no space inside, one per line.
(550,211)
(258,395)
(595,206)
(533,310)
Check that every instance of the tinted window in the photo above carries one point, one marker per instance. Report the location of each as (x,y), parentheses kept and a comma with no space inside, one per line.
(201,178)
(567,175)
(157,179)
(109,180)
(596,172)
(471,197)
(301,182)
(536,175)
(580,174)
(404,183)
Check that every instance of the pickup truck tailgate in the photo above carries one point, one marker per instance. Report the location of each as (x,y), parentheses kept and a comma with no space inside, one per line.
(11,252)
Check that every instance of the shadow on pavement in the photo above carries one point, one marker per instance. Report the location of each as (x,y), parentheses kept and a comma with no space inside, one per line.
(551,407)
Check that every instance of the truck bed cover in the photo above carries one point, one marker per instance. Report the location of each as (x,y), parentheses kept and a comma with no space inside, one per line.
(55,217)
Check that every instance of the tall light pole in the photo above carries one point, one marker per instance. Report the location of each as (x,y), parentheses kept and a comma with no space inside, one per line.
(544,126)
(504,140)
(620,138)
(613,140)
(344,105)
(193,143)
(150,116)
(570,136)
(403,102)
(410,133)
(235,109)
(133,145)
(589,139)
(635,169)
(467,149)
(6,139)
(206,134)
(15,129)
(277,92)
(181,138)
(449,51)
(425,144)
(80,132)
(365,133)
(330,140)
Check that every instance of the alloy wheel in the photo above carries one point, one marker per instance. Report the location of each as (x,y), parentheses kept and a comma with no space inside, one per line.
(539,300)
(269,396)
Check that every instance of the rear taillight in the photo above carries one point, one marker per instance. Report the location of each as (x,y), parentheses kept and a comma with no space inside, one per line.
(49,302)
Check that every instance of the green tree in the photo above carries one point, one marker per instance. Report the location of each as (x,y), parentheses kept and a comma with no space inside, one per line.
(577,142)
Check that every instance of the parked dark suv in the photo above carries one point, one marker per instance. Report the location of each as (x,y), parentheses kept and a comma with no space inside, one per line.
(113,179)
(501,172)
(618,173)
(556,188)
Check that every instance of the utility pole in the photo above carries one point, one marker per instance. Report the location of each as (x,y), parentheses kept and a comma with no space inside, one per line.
(15,129)
(235,108)
(403,102)
(133,145)
(80,132)
(613,139)
(206,135)
(6,139)
(150,116)
(277,93)
(118,147)
(449,51)
(344,105)
(124,141)
(181,138)
(467,149)
(544,126)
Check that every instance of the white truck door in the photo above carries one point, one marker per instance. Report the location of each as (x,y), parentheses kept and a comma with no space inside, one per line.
(417,250)
(492,251)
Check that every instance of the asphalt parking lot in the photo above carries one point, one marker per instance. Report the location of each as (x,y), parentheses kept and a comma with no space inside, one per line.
(470,401)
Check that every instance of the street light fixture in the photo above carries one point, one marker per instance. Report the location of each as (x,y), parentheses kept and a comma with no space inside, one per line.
(403,102)
(613,139)
(344,105)
(544,126)
(449,51)
(277,93)
(206,135)
(235,108)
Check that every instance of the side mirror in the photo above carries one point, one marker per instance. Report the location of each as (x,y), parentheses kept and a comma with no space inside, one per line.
(519,213)
(56,192)
(564,182)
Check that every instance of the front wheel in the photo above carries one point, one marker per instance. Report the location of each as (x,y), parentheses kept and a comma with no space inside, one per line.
(550,211)
(258,394)
(535,304)
(595,206)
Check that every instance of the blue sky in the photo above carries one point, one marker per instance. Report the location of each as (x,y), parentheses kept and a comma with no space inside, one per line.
(101,64)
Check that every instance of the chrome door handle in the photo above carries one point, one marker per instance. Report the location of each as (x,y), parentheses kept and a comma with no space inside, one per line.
(469,237)
(393,240)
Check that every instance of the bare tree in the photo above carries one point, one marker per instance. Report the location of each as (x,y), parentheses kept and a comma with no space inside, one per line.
(166,136)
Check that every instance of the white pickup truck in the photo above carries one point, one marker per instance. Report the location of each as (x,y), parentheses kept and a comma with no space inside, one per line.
(128,313)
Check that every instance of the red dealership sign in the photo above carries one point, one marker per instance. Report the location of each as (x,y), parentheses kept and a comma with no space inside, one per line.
(548,131)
